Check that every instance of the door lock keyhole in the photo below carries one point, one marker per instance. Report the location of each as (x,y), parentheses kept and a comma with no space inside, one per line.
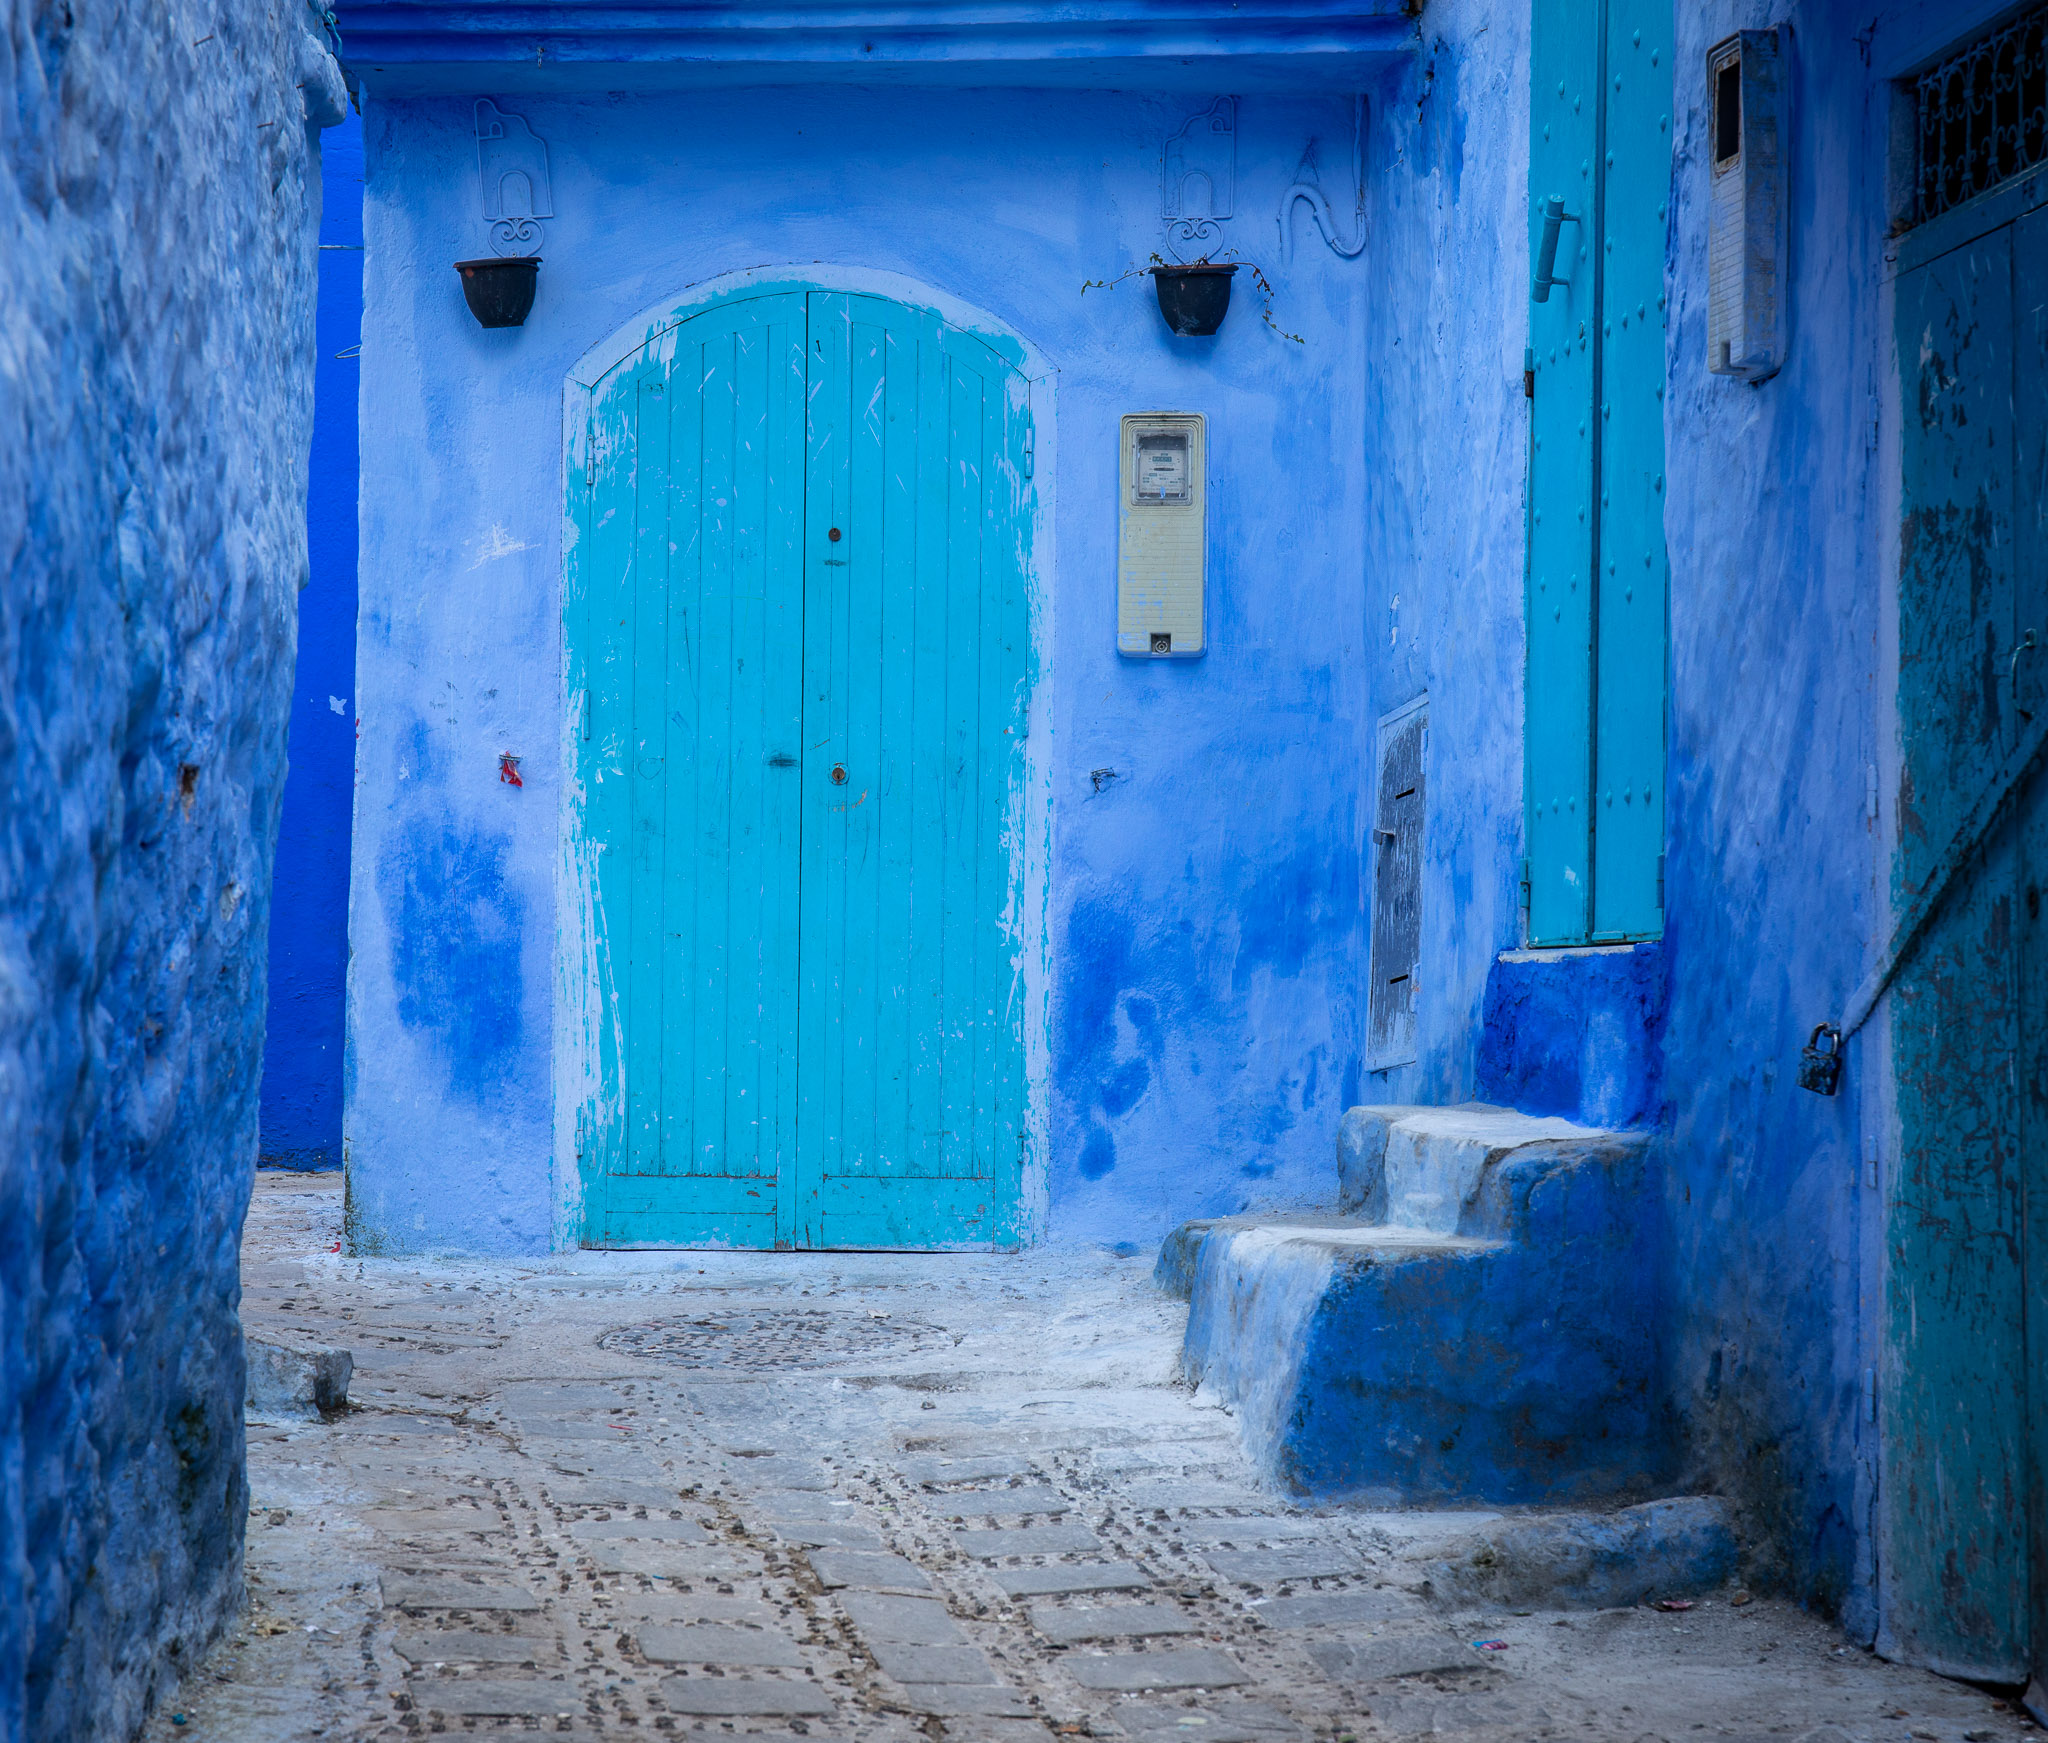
(839,774)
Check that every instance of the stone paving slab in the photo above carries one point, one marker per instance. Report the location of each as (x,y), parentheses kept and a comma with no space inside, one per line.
(670,1606)
(881,1616)
(609,1492)
(964,1700)
(1245,1531)
(739,1697)
(1190,1667)
(1027,1540)
(429,1594)
(720,1644)
(467,1646)
(1336,1609)
(867,1571)
(1267,1566)
(798,1504)
(427,1521)
(1064,1626)
(1046,1582)
(773,1473)
(828,1534)
(1002,1503)
(1393,1655)
(667,1561)
(657,1530)
(943,1473)
(1240,1723)
(497,1700)
(1171,1496)
(922,1664)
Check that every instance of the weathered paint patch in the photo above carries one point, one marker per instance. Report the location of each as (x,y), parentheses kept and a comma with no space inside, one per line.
(456,945)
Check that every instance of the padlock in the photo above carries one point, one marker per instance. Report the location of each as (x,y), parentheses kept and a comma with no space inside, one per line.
(1821,1071)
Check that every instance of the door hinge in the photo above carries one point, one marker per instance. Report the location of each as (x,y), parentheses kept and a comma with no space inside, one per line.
(1525,883)
(1660,883)
(1529,372)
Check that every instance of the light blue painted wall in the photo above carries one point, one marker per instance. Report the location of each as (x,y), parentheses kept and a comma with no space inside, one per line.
(1203,919)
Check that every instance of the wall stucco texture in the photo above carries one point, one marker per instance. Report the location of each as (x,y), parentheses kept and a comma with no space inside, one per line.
(155,300)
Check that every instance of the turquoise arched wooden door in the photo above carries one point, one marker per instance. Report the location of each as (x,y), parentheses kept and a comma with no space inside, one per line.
(802,624)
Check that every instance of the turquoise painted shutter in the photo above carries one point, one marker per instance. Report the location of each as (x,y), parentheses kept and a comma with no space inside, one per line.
(1600,141)
(1563,336)
(911,1107)
(1629,659)
(695,629)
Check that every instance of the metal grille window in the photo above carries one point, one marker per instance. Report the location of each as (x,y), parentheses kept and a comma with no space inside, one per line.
(1983,115)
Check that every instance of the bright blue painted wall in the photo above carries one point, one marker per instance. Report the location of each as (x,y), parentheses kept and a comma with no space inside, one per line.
(156,269)
(302,1047)
(1203,918)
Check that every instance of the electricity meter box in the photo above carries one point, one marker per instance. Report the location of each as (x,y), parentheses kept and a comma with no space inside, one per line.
(1162,537)
(1749,204)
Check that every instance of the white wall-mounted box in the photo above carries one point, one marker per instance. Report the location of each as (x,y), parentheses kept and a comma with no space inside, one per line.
(1162,536)
(1749,206)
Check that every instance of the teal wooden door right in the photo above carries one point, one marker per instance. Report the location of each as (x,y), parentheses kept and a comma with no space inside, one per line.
(806,638)
(911,1103)
(1964,1385)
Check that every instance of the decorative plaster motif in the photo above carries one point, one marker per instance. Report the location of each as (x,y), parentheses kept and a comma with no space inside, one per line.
(1198,188)
(1306,186)
(512,174)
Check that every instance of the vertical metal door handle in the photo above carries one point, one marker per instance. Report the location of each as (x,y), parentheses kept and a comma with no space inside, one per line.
(1555,217)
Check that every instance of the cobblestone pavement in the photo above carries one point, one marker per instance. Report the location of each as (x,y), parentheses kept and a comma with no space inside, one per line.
(880,1499)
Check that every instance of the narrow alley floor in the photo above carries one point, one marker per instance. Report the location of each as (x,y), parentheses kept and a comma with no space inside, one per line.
(881,1499)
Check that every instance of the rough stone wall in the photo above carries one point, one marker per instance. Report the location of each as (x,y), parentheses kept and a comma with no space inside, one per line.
(155,309)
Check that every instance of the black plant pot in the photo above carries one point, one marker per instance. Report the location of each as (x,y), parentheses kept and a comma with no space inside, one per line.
(1194,299)
(500,292)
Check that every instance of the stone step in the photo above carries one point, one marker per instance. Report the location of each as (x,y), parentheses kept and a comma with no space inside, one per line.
(1479,1327)
(1456,1170)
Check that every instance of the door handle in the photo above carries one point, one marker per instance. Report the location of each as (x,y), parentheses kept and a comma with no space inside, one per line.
(1555,217)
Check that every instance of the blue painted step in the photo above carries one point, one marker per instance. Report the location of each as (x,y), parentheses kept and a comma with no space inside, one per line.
(1479,1327)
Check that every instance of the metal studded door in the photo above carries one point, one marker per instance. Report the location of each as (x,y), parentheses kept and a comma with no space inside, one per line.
(1599,187)
(802,628)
